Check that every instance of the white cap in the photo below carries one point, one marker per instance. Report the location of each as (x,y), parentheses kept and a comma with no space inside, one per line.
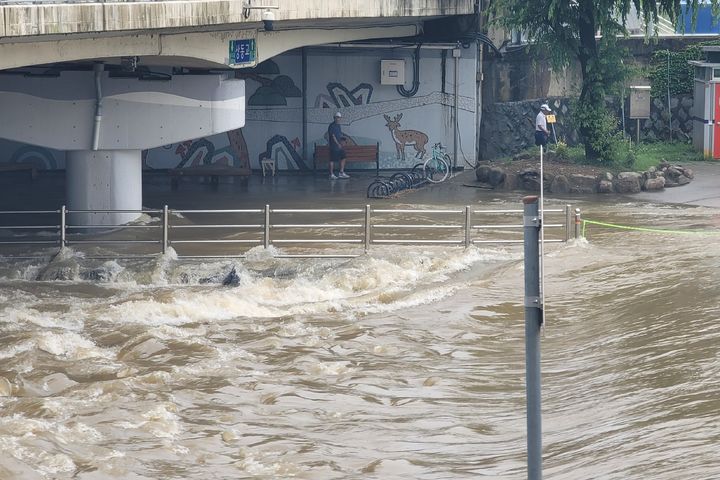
(338,115)
(545,106)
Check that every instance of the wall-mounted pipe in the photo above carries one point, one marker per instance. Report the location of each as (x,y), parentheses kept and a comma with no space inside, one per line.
(98,69)
(456,104)
(443,68)
(416,77)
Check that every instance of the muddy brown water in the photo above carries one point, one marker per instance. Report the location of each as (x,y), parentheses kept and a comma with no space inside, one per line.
(407,362)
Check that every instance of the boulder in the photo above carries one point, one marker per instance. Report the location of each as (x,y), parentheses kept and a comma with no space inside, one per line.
(627,182)
(681,180)
(583,184)
(496,176)
(232,279)
(672,173)
(529,179)
(688,172)
(492,175)
(560,184)
(656,183)
(482,173)
(60,270)
(605,186)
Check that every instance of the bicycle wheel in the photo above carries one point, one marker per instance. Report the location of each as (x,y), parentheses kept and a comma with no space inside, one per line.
(417,168)
(436,170)
(372,190)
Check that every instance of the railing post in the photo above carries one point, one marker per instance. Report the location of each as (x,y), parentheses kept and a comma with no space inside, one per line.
(266,236)
(577,223)
(63,227)
(467,226)
(568,222)
(533,323)
(166,221)
(367,228)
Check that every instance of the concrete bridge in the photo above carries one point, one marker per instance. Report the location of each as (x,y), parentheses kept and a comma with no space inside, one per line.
(104,82)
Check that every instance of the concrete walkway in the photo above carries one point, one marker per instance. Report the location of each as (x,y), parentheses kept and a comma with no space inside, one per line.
(704,190)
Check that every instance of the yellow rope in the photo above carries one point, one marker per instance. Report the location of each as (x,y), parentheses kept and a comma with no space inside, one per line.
(645,229)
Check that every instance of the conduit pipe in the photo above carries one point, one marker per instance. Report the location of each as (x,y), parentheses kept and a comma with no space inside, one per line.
(456,55)
(98,69)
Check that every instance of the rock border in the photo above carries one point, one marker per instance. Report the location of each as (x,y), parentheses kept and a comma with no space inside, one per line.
(503,177)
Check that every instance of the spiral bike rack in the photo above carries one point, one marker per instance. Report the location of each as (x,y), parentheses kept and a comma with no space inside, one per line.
(385,187)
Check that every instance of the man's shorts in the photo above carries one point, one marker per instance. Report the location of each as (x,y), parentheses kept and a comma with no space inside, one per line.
(541,138)
(337,155)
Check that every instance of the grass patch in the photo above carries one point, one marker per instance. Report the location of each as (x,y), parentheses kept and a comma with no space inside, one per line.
(624,155)
(651,154)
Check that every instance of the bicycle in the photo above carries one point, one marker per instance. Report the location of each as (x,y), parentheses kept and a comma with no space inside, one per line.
(437,168)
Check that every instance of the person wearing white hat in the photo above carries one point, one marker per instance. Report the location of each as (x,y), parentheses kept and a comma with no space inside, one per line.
(541,130)
(337,152)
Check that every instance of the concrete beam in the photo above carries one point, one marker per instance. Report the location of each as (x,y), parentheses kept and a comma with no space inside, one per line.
(25,20)
(70,18)
(23,54)
(199,49)
(274,43)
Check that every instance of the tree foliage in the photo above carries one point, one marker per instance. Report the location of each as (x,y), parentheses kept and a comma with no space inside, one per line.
(567,30)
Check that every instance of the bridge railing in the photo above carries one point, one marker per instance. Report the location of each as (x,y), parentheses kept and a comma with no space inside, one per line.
(297,232)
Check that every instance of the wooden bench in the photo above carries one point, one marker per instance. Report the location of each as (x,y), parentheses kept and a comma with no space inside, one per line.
(19,167)
(206,171)
(355,153)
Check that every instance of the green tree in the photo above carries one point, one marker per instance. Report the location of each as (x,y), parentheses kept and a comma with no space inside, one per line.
(567,30)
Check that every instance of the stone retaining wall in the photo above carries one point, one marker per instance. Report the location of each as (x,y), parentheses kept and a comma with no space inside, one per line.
(508,128)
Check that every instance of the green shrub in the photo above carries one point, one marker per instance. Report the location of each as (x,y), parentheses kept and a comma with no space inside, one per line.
(562,151)
(680,74)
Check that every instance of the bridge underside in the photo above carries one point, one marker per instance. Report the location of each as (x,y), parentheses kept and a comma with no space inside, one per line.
(103,99)
(207,49)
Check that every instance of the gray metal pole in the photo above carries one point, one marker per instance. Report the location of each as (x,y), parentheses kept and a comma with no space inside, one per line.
(456,107)
(304,105)
(166,220)
(577,223)
(533,322)
(468,226)
(568,221)
(63,227)
(668,95)
(266,236)
(367,228)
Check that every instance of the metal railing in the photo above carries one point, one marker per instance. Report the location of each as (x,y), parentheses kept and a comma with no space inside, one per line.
(294,229)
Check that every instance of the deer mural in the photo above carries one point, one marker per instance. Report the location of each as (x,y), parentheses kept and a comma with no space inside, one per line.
(403,138)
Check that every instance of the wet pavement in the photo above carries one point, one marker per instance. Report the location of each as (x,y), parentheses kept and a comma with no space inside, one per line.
(287,190)
(704,190)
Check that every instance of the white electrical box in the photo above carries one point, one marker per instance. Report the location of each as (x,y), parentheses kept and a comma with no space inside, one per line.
(392,72)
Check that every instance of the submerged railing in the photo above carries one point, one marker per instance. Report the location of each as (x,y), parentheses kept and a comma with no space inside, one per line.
(197,233)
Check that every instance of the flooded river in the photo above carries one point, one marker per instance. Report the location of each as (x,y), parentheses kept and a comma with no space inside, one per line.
(406,363)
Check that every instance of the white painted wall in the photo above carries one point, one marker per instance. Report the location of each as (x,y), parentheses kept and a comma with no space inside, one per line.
(332,74)
(274,112)
(429,111)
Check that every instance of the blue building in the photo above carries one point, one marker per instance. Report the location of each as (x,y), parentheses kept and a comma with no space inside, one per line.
(705,21)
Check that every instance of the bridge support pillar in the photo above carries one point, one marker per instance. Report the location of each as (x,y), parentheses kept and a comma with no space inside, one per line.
(103,121)
(103,180)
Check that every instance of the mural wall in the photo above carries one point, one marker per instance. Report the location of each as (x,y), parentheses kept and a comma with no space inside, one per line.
(345,80)
(348,80)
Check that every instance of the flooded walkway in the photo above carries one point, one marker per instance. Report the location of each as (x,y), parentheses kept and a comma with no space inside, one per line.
(406,363)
